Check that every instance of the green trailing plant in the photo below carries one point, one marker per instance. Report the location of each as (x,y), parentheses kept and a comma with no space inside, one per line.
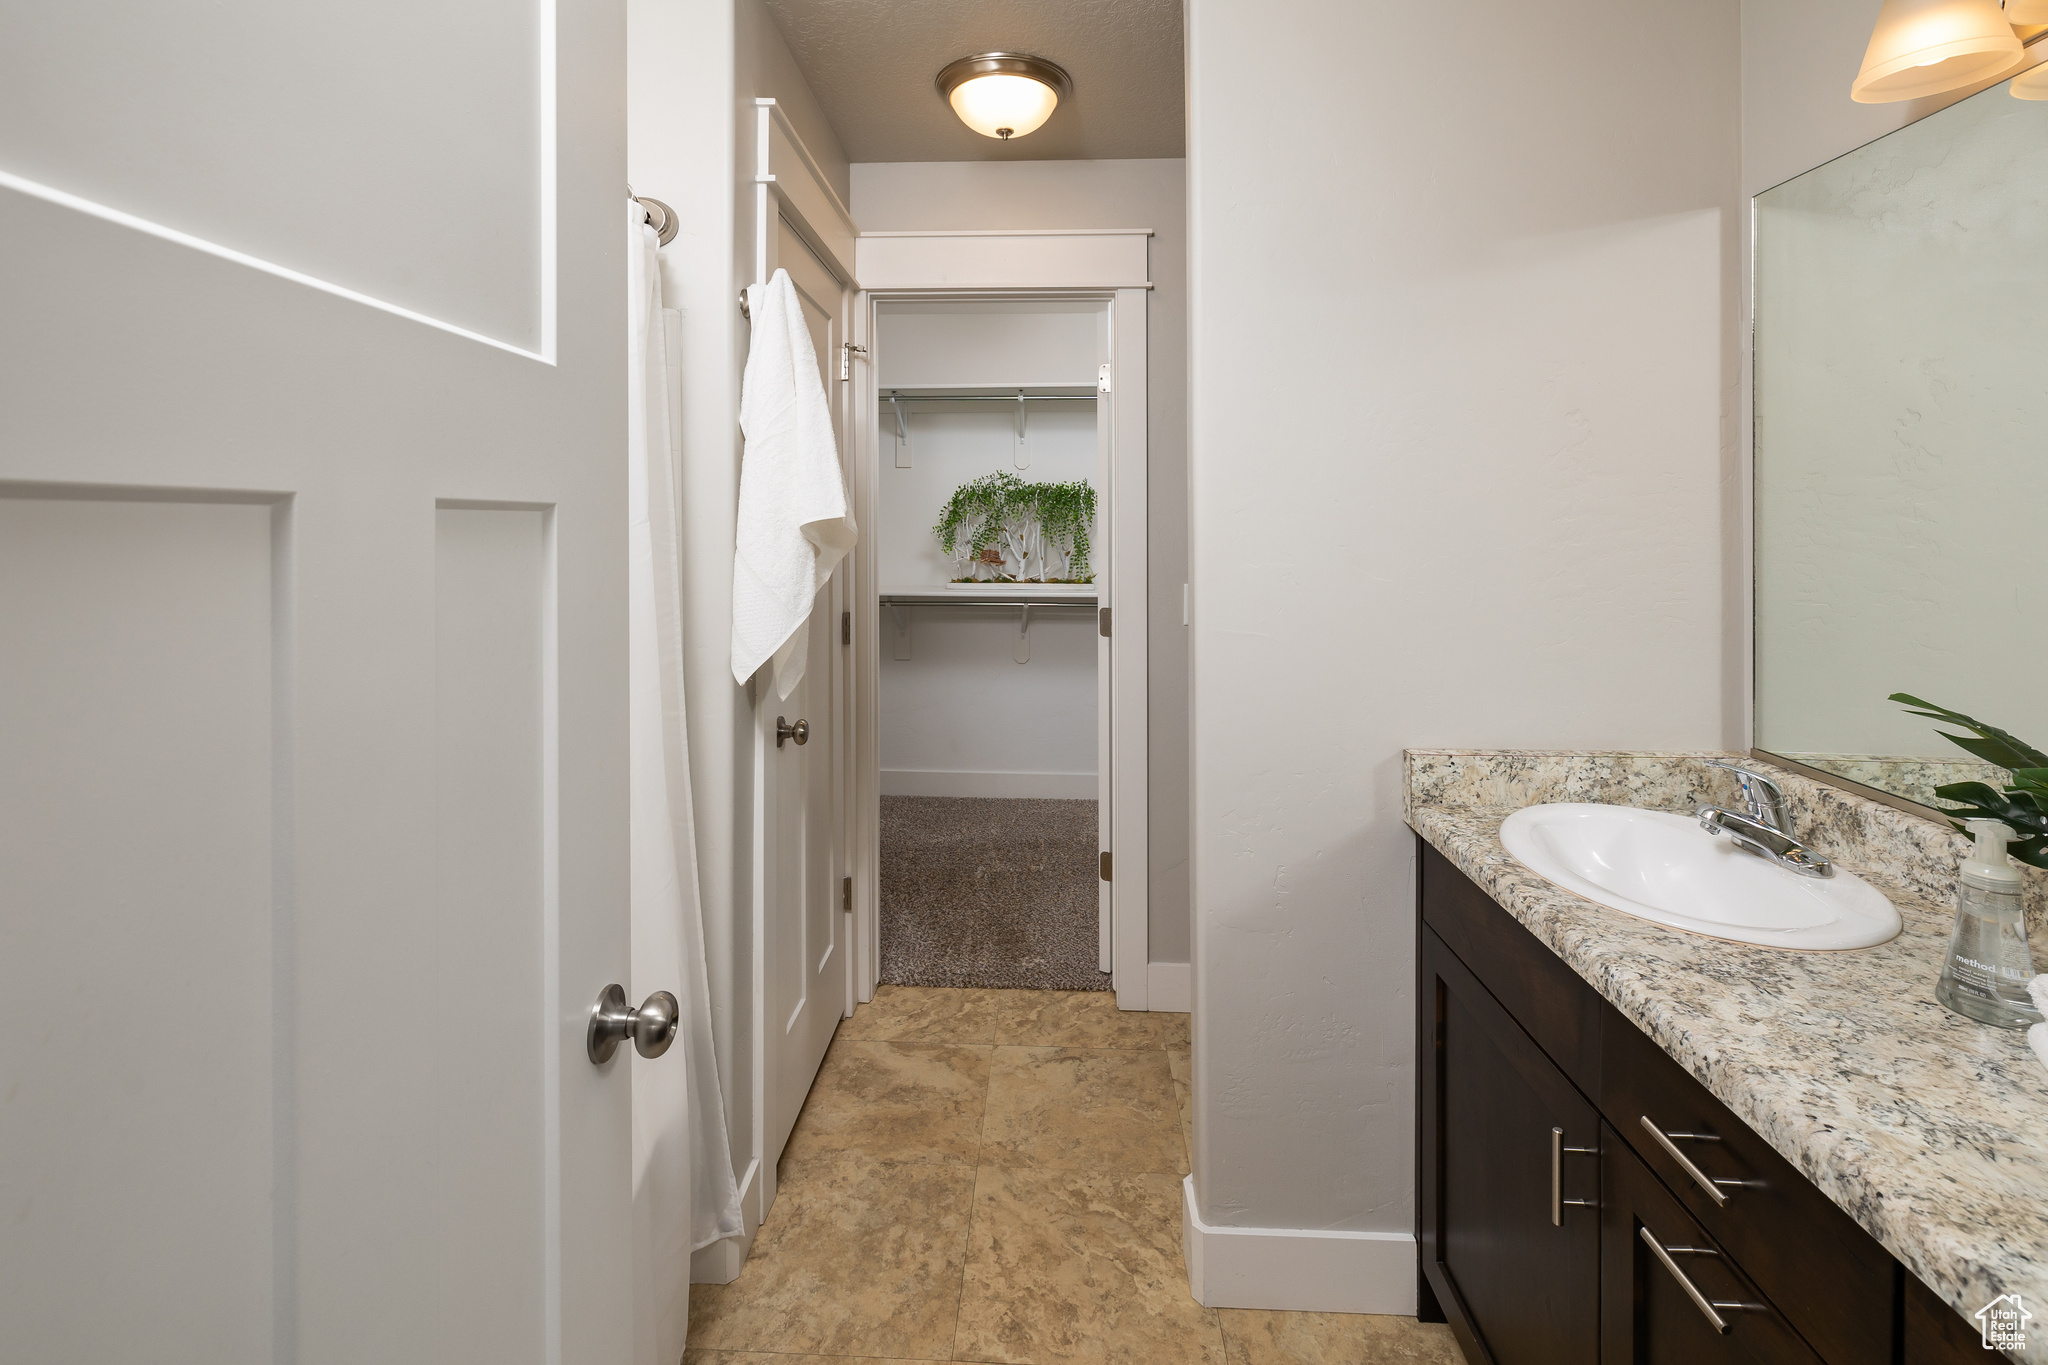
(2023,804)
(999,521)
(1066,514)
(972,520)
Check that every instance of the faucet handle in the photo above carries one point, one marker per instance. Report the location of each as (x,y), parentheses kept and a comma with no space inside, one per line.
(1765,798)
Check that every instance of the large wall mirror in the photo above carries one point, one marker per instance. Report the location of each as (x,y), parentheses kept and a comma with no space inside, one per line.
(1902,447)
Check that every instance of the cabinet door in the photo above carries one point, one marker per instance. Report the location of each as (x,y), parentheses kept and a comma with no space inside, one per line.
(1510,1229)
(1669,1295)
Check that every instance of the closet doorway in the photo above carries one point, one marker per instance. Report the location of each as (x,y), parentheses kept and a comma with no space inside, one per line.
(999,708)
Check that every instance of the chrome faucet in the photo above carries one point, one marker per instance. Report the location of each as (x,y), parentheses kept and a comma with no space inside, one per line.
(1764,799)
(1761,830)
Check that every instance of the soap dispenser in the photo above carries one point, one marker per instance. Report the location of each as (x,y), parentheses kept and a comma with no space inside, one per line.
(1989,964)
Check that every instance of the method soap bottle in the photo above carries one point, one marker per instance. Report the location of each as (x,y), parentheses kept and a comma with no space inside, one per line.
(1985,976)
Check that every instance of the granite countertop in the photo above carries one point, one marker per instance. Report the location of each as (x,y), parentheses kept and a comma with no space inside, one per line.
(1928,1129)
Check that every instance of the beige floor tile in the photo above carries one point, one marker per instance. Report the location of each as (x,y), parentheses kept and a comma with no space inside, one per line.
(926,1014)
(1258,1336)
(856,1258)
(1075,1266)
(1182,1063)
(1082,1019)
(896,1102)
(1082,1109)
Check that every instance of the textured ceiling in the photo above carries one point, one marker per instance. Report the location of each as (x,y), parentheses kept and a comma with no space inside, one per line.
(871,64)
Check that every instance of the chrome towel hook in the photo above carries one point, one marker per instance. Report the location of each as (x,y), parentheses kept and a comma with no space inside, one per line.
(661,217)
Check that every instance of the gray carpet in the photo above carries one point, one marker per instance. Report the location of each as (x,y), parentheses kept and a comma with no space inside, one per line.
(983,892)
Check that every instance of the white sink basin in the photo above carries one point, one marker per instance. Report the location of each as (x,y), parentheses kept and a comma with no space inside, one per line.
(1664,868)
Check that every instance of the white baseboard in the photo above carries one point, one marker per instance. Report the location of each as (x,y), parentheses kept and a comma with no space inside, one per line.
(1169,986)
(928,782)
(1300,1270)
(720,1262)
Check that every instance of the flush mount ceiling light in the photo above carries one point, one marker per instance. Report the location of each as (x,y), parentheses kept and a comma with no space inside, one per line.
(1923,47)
(1004,94)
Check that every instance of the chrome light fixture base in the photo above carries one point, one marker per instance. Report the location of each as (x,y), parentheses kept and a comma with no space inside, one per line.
(1045,72)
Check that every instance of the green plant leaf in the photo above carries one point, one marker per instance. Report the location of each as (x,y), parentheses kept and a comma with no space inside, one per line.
(2026,812)
(1993,745)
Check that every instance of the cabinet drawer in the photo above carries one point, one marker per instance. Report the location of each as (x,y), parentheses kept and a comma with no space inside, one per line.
(1770,1219)
(1669,1295)
(1548,999)
(1935,1334)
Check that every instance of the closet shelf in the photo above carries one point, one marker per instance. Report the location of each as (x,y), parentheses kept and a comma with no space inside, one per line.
(1017,595)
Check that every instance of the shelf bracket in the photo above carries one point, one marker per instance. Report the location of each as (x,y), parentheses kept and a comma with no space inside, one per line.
(902,433)
(1022,652)
(899,640)
(1023,451)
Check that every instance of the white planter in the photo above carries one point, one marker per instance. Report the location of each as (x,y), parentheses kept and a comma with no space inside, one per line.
(1024,589)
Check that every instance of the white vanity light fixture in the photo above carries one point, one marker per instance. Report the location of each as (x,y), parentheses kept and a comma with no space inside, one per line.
(1924,47)
(1004,94)
(2031,84)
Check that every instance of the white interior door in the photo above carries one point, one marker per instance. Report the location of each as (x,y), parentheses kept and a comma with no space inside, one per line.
(805,929)
(312,690)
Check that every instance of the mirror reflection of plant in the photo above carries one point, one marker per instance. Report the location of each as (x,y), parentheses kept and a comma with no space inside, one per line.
(1029,521)
(2023,804)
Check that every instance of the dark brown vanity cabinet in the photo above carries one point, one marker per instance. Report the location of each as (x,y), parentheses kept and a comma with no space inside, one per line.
(1581,1198)
(1510,1150)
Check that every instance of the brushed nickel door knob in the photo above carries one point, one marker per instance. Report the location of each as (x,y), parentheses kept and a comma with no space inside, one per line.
(652,1027)
(800,732)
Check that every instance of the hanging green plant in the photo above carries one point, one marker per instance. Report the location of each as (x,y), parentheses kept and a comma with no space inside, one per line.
(971,522)
(1066,512)
(1013,530)
(2023,804)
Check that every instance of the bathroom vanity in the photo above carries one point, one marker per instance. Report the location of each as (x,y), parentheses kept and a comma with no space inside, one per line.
(1642,1145)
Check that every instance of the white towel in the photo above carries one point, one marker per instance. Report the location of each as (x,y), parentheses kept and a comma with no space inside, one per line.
(794,521)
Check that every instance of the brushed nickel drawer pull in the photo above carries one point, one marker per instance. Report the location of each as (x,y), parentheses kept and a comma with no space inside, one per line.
(1710,1307)
(1557,1199)
(1669,1142)
(1692,1291)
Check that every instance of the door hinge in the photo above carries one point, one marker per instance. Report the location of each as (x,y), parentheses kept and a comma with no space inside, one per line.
(1102,623)
(847,351)
(846,895)
(1102,378)
(845,627)
(1105,864)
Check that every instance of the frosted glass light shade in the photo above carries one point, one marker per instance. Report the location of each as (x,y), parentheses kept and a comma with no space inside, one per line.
(2031,84)
(1004,94)
(1923,47)
(2026,11)
(1004,106)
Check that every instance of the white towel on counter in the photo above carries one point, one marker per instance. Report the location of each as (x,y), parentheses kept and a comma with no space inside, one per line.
(795,524)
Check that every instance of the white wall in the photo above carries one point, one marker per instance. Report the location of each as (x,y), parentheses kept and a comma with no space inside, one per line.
(907,196)
(694,68)
(1459,340)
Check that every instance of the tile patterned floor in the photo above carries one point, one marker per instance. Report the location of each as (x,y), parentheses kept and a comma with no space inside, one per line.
(994,1176)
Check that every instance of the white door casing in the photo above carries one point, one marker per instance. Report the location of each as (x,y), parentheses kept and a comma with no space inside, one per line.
(801,972)
(1109,266)
(312,701)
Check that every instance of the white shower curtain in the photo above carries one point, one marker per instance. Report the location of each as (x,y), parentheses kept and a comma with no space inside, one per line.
(684,1194)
